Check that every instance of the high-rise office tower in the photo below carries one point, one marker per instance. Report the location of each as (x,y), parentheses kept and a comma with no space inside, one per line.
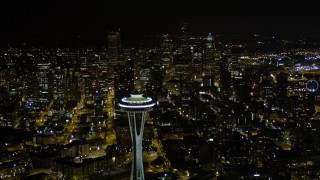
(217,66)
(127,53)
(225,76)
(123,79)
(136,107)
(184,43)
(234,64)
(266,86)
(184,37)
(71,89)
(114,46)
(44,81)
(166,54)
(197,52)
(145,78)
(281,89)
(208,60)
(154,86)
(31,88)
(58,85)
(183,71)
(139,65)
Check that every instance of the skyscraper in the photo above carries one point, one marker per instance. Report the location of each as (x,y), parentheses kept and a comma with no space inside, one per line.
(123,79)
(44,81)
(281,89)
(225,76)
(114,46)
(155,83)
(184,42)
(166,54)
(136,107)
(208,60)
(184,37)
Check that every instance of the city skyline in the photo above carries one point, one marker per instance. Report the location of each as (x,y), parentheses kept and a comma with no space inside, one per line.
(159,90)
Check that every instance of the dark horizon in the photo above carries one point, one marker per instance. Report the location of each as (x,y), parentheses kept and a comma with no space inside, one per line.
(58,21)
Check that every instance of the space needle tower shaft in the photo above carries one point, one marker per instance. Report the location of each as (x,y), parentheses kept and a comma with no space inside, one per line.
(136,107)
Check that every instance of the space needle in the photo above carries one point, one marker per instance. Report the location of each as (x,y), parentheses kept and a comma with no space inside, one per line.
(136,107)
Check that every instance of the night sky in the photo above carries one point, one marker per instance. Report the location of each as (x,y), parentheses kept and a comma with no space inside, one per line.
(49,21)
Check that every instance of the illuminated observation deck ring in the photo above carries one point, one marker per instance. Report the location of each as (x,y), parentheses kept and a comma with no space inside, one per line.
(136,102)
(312,85)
